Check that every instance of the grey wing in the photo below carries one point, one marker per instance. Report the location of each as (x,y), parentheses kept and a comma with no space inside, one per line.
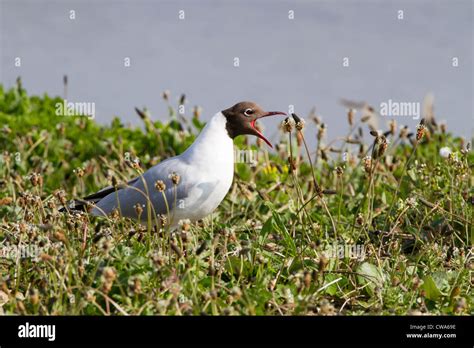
(142,192)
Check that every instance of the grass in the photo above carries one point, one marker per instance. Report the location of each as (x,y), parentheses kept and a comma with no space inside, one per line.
(284,241)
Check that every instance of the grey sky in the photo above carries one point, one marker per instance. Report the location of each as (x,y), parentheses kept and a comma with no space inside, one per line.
(282,61)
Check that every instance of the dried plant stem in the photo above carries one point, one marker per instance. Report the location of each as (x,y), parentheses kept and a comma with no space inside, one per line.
(392,204)
(293,175)
(316,185)
(371,192)
(340,183)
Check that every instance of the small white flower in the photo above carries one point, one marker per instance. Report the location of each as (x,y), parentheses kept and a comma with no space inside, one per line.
(411,202)
(445,152)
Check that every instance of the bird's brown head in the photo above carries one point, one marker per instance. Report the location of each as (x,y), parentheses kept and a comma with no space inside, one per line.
(241,119)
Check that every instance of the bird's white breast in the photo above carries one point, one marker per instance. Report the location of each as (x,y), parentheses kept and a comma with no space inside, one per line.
(211,158)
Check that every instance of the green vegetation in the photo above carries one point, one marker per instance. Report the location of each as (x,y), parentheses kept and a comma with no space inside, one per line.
(270,248)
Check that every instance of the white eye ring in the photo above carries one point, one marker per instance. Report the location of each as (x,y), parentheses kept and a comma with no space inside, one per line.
(248,112)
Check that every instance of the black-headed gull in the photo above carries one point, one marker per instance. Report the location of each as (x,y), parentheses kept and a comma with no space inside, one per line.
(190,185)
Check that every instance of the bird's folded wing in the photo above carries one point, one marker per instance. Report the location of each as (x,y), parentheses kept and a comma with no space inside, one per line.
(95,197)
(143,190)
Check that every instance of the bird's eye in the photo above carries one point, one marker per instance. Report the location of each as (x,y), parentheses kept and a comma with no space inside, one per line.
(248,112)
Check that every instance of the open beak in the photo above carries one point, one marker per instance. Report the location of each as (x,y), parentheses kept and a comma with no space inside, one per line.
(257,132)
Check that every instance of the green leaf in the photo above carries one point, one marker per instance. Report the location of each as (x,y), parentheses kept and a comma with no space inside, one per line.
(371,275)
(266,228)
(441,280)
(331,289)
(199,125)
(279,226)
(412,174)
(283,230)
(431,290)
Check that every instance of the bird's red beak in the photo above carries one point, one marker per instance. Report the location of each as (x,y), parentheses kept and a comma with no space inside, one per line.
(257,132)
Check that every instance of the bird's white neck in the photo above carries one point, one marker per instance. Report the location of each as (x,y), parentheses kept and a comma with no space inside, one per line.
(213,145)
